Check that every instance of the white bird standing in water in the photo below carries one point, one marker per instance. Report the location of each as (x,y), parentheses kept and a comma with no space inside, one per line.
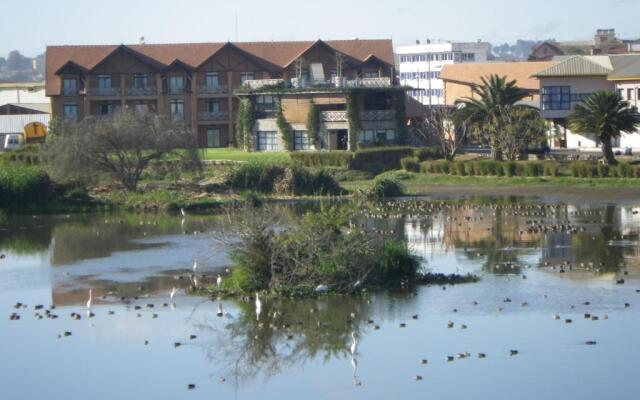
(258,307)
(184,214)
(195,265)
(90,299)
(219,281)
(172,295)
(354,343)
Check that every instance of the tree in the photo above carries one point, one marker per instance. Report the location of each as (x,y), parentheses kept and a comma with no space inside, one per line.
(482,111)
(121,147)
(604,114)
(437,126)
(517,129)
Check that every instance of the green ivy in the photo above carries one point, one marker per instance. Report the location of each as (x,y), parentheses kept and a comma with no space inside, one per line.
(244,125)
(284,127)
(400,111)
(354,120)
(313,125)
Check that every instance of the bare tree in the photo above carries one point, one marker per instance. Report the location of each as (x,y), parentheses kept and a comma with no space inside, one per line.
(121,146)
(436,125)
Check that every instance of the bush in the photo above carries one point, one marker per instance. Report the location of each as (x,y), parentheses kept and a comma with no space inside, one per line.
(625,170)
(395,263)
(583,170)
(21,185)
(410,164)
(603,170)
(323,158)
(442,167)
(428,153)
(380,158)
(460,168)
(281,179)
(346,175)
(551,169)
(472,168)
(510,168)
(385,186)
(637,171)
(426,167)
(534,168)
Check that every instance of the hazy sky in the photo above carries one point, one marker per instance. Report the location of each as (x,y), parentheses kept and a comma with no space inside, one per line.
(30,25)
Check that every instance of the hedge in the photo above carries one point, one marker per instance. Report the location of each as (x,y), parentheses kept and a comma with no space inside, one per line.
(323,158)
(490,168)
(380,158)
(21,185)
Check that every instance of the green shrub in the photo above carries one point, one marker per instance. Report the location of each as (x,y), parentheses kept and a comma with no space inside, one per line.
(428,153)
(426,167)
(380,158)
(410,164)
(386,186)
(534,168)
(323,158)
(460,168)
(21,184)
(395,263)
(472,168)
(509,168)
(603,171)
(442,167)
(583,170)
(551,169)
(347,175)
(637,171)
(625,170)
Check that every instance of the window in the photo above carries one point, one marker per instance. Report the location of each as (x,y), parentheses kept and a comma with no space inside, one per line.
(366,136)
(141,108)
(140,81)
(177,110)
(70,111)
(69,87)
(266,105)
(246,76)
(390,135)
(620,92)
(556,97)
(213,107)
(267,141)
(371,74)
(104,82)
(176,84)
(211,80)
(300,140)
(213,137)
(333,73)
(106,109)
(629,94)
(638,94)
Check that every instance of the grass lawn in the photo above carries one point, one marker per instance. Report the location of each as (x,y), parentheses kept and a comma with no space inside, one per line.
(240,155)
(420,184)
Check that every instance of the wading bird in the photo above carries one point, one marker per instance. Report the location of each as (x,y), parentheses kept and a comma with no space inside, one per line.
(354,343)
(172,295)
(90,299)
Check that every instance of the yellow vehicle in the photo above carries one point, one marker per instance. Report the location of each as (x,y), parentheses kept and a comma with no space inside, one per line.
(35,132)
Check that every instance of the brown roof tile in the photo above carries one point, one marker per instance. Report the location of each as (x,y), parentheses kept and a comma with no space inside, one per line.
(472,73)
(272,54)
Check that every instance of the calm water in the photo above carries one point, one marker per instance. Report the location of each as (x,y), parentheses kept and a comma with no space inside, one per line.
(303,349)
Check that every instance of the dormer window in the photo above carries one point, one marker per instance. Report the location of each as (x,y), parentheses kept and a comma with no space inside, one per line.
(176,84)
(211,80)
(70,86)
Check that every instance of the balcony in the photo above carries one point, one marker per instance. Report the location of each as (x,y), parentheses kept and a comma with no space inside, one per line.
(253,84)
(219,89)
(212,116)
(146,91)
(105,91)
(333,116)
(370,83)
(377,115)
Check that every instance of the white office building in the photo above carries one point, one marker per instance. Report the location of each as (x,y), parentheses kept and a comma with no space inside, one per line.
(420,66)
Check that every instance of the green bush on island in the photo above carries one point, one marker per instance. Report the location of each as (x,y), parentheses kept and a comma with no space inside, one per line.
(316,249)
(386,185)
(410,164)
(323,158)
(428,153)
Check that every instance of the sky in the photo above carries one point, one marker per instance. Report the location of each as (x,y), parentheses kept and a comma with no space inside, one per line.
(30,25)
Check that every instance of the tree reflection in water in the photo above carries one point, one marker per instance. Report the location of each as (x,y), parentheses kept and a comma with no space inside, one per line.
(289,333)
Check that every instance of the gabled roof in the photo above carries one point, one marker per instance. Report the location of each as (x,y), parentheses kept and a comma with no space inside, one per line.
(271,55)
(579,66)
(27,108)
(472,73)
(626,67)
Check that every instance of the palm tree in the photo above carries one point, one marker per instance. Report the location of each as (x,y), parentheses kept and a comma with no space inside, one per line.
(483,110)
(604,114)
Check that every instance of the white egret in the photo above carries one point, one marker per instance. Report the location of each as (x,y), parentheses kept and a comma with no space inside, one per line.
(322,289)
(219,281)
(195,265)
(184,214)
(354,343)
(90,299)
(172,295)
(258,307)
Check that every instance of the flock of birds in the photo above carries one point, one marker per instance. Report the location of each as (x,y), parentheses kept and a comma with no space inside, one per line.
(535,224)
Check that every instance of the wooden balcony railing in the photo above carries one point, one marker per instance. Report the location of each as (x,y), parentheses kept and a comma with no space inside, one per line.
(219,89)
(212,116)
(105,91)
(142,91)
(333,116)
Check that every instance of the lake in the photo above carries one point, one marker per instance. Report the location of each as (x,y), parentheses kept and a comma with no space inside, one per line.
(555,313)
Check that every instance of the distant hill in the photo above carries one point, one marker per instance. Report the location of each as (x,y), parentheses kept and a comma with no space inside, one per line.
(19,68)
